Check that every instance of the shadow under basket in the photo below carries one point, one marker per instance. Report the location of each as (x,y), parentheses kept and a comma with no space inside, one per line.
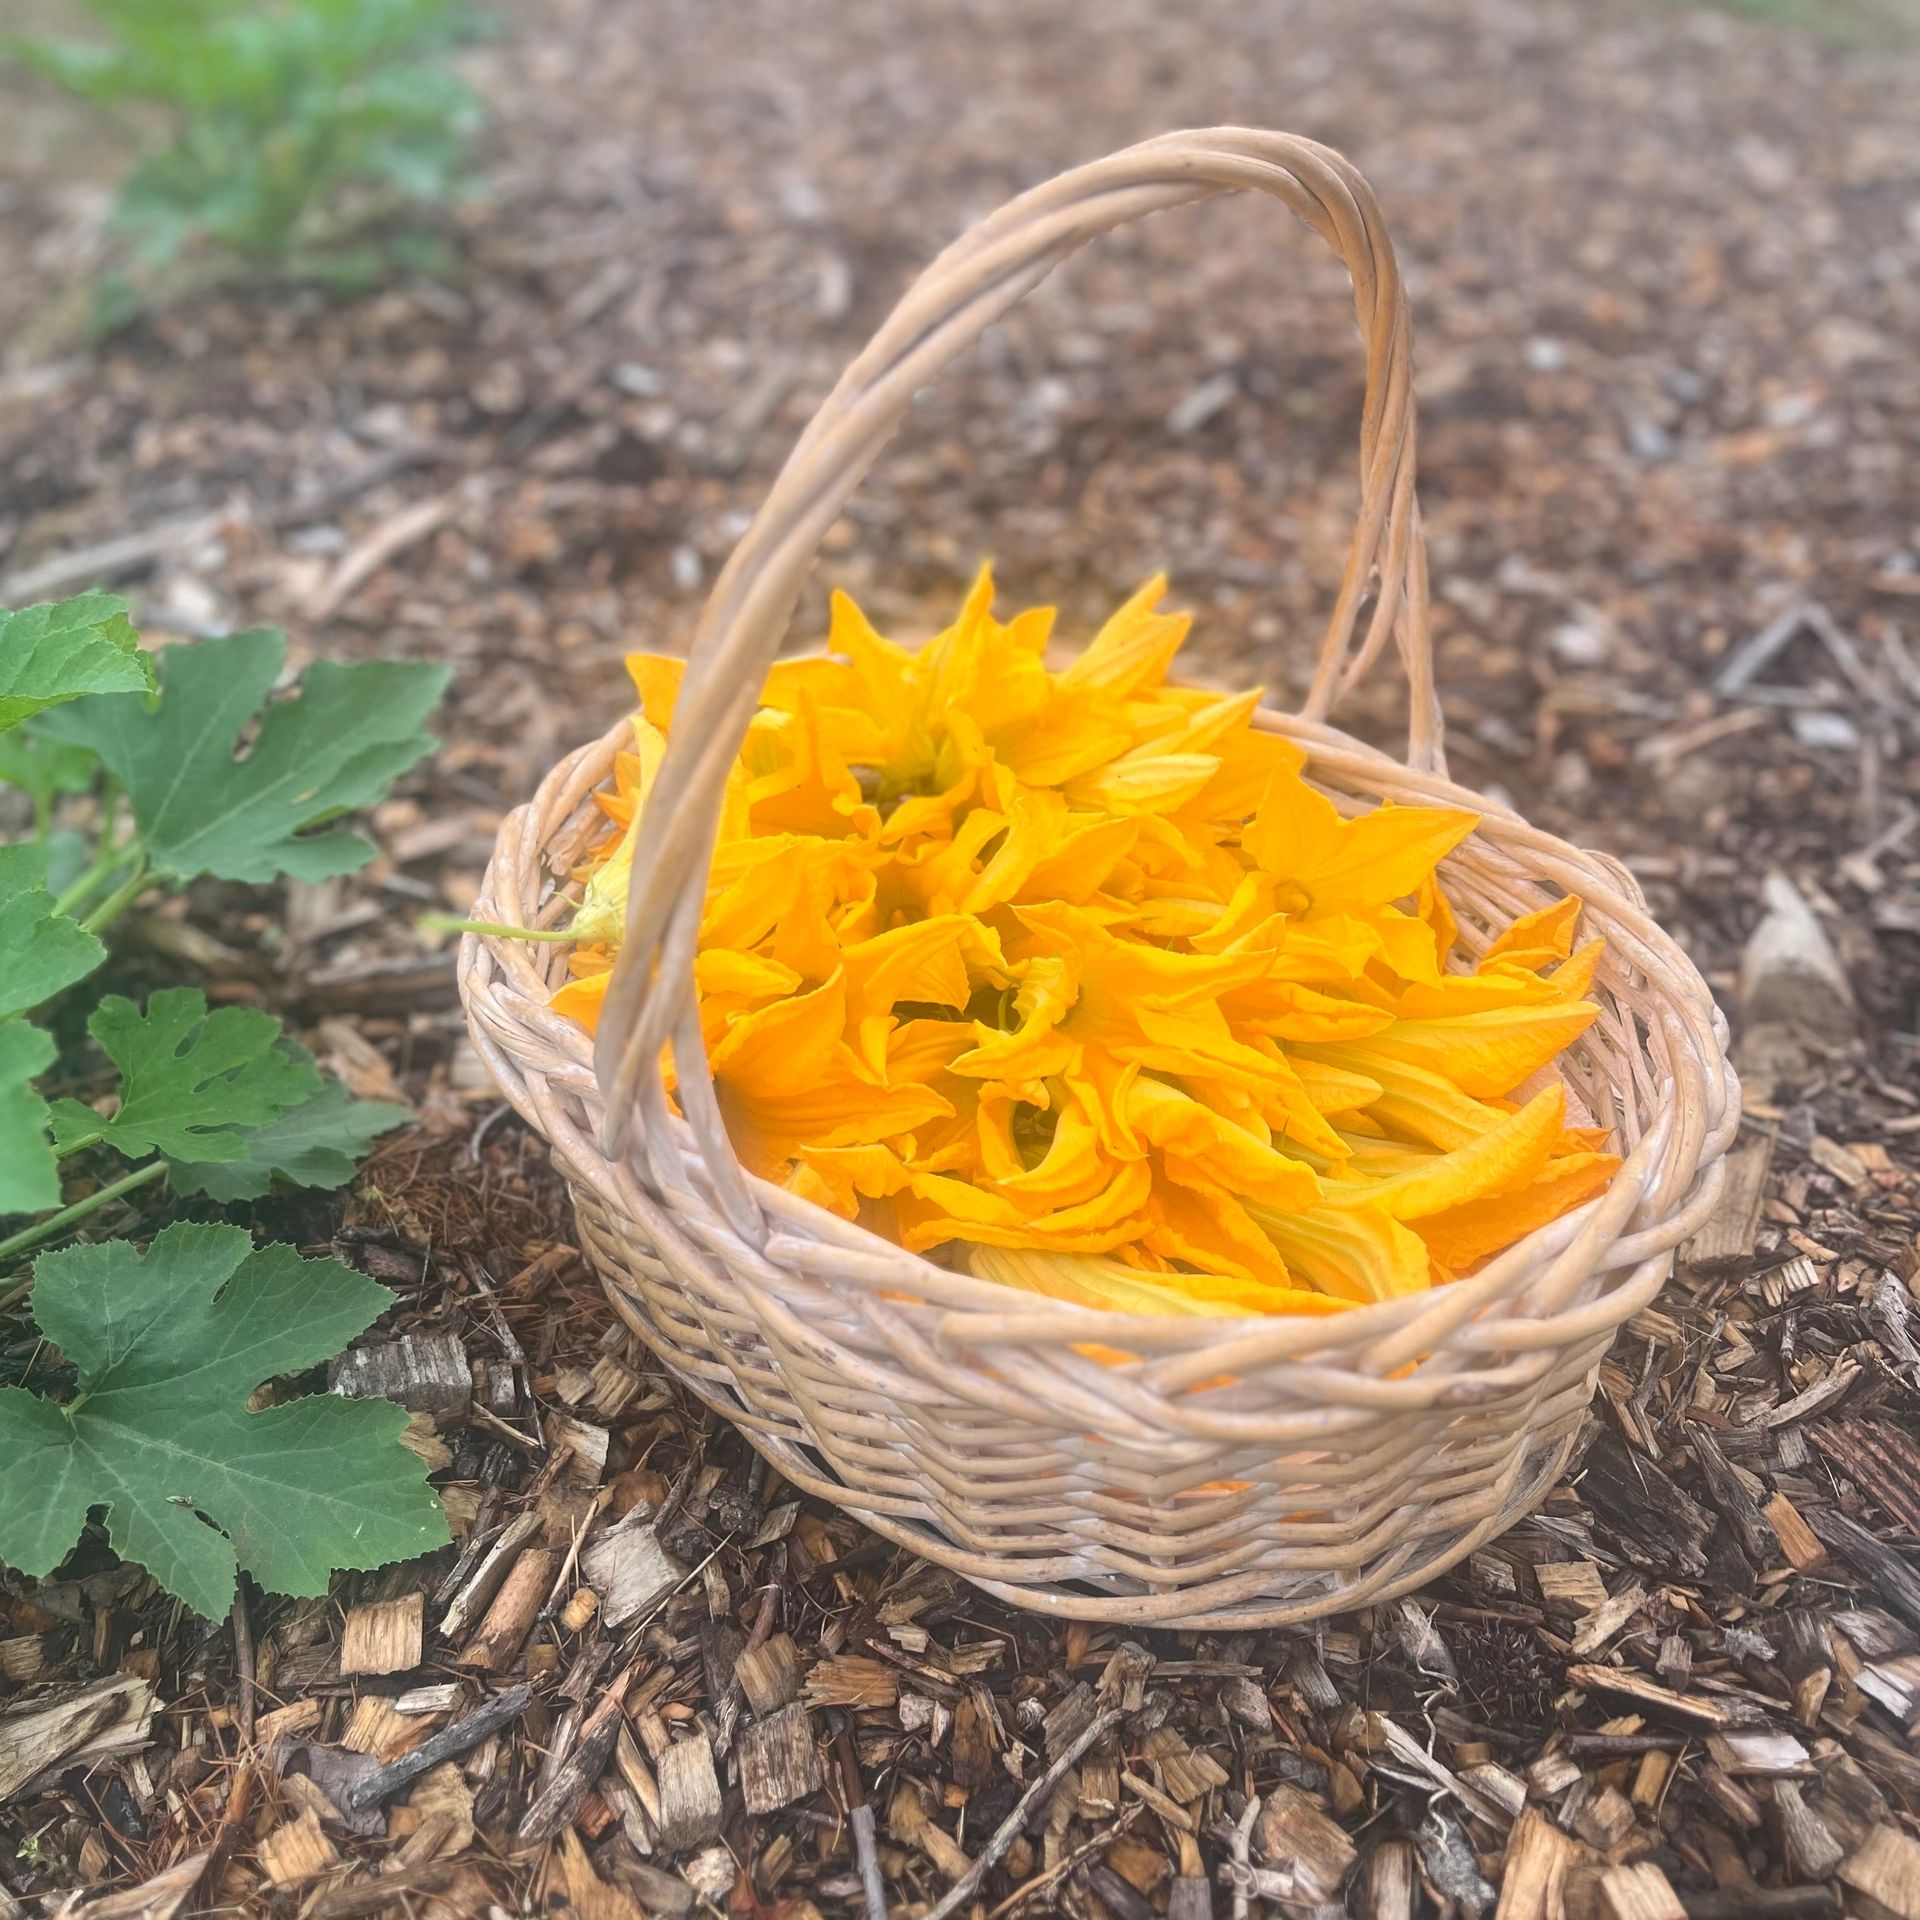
(1236,1473)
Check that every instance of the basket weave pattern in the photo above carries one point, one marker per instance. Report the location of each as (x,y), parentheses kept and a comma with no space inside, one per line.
(1238,1473)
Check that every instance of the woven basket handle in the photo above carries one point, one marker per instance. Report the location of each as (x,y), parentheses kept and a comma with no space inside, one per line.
(650,999)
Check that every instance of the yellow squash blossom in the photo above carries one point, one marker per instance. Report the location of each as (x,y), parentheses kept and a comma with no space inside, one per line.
(1071,977)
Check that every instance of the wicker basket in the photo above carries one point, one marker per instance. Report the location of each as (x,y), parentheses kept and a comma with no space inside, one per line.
(1240,1473)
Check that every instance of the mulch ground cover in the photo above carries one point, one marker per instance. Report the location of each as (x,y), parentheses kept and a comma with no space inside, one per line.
(1666,275)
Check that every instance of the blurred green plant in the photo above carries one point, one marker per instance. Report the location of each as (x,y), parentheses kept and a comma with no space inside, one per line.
(304,132)
(1844,22)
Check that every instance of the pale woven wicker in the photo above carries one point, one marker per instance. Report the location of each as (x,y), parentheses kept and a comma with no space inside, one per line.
(1241,1473)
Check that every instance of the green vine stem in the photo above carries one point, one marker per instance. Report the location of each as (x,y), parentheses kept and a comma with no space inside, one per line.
(107,858)
(122,897)
(58,1223)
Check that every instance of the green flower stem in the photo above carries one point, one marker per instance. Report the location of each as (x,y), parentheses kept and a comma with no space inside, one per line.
(122,897)
(58,1223)
(447,923)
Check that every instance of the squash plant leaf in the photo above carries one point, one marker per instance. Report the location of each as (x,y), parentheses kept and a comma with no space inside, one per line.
(316,1144)
(61,650)
(40,951)
(28,1178)
(168,1346)
(335,745)
(190,1080)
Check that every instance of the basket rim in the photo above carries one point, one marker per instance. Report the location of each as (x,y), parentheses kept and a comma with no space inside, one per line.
(1601,1236)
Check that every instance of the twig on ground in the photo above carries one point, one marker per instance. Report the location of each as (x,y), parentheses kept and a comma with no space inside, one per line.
(1242,1866)
(233,1822)
(391,538)
(873,1889)
(488,1718)
(1060,1870)
(1004,1835)
(243,1664)
(105,559)
(552,1808)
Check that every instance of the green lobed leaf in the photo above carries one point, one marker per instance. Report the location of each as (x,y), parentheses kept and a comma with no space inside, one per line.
(40,951)
(60,650)
(190,1080)
(336,745)
(168,1345)
(29,1179)
(316,1144)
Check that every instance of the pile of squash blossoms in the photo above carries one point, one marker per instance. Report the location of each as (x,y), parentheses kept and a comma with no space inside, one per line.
(1069,978)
